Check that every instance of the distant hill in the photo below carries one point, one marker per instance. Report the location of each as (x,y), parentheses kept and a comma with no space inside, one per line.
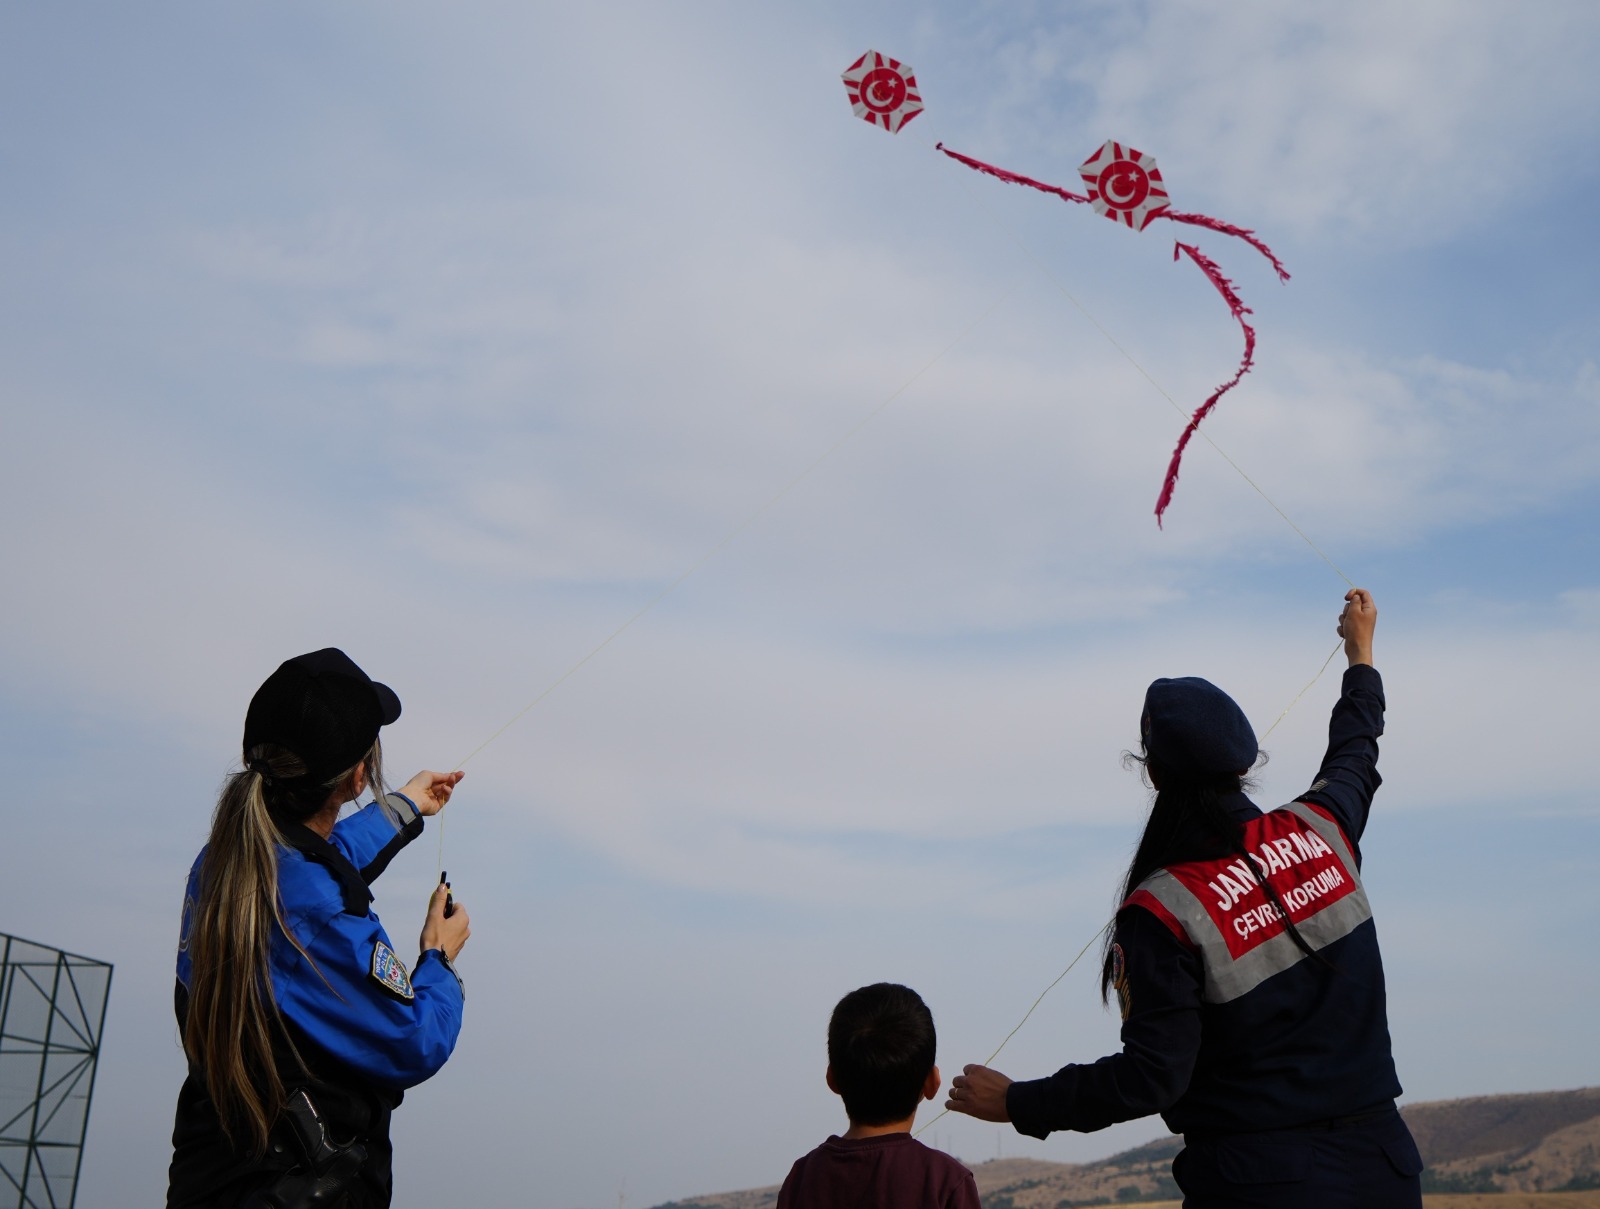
(1541,1142)
(1538,1142)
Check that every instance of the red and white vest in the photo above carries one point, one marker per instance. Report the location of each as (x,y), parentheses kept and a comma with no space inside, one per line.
(1219,907)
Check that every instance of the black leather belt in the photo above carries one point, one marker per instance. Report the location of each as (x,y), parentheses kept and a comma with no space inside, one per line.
(1350,1121)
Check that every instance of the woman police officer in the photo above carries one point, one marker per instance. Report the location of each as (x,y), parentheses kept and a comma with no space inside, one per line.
(301,1025)
(1246,965)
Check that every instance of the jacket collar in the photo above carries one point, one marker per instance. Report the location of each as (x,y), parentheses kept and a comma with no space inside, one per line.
(352,887)
(1240,806)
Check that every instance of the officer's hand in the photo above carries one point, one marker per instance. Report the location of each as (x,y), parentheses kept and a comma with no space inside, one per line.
(1356,623)
(441,933)
(979,1092)
(431,790)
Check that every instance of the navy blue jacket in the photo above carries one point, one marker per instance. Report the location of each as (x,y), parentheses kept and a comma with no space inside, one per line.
(1228,1027)
(365,1027)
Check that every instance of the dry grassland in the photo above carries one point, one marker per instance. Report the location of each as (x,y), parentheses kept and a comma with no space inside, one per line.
(1514,1200)
(1508,1200)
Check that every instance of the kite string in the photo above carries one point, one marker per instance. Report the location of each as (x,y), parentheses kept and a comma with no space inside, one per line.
(1048,989)
(962,335)
(1029,1012)
(744,524)
(759,512)
(1312,683)
(771,502)
(438,870)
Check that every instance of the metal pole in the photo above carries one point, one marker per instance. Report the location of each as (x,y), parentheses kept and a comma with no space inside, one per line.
(44,1061)
(94,1066)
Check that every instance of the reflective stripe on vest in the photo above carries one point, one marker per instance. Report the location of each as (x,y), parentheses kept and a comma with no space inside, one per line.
(1220,908)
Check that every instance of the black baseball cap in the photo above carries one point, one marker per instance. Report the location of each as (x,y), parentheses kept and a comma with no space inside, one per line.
(324,709)
(1192,726)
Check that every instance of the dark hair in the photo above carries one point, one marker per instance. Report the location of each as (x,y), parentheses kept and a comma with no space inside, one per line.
(881,1046)
(1188,822)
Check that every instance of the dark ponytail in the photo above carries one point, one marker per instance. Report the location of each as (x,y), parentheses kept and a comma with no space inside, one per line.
(1189,822)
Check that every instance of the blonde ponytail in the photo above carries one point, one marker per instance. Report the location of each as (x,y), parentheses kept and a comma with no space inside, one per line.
(232,1017)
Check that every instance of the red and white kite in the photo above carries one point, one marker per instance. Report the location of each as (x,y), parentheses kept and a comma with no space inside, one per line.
(882,91)
(1124,184)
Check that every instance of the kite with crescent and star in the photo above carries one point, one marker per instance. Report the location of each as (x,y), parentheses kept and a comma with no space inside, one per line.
(883,91)
(1120,182)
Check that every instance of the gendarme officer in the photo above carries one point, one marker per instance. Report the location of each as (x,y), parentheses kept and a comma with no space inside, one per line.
(1245,962)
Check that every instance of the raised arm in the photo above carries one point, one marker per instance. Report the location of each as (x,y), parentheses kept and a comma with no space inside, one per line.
(1348,778)
(371,837)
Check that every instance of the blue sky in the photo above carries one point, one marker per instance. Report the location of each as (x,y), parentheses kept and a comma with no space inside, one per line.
(451,338)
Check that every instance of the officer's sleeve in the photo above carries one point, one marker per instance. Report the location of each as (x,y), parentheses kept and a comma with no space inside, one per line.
(372,835)
(1349,774)
(1161,997)
(342,1005)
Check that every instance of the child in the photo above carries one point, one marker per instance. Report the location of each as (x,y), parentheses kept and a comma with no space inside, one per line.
(881,1047)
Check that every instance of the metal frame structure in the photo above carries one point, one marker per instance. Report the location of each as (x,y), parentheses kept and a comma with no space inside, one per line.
(52,1011)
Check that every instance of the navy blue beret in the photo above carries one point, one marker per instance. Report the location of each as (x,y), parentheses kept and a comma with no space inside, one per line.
(1190,725)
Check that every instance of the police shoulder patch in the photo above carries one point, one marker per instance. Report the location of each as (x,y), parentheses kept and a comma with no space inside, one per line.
(389,972)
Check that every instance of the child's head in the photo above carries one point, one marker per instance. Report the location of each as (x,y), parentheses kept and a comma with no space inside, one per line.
(881,1048)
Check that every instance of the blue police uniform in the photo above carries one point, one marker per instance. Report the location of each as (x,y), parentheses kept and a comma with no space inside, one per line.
(363,1026)
(1275,1065)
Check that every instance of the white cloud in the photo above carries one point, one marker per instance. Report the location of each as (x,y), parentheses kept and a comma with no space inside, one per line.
(512,341)
(586,459)
(1395,123)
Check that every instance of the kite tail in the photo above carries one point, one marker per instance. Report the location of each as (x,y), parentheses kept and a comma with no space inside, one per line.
(1012,178)
(1236,305)
(1226,228)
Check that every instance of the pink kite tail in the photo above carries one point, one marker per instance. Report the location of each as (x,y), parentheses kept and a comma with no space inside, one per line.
(1226,228)
(1237,307)
(1198,220)
(1011,178)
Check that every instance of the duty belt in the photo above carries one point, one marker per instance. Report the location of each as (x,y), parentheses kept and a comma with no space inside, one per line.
(1326,1125)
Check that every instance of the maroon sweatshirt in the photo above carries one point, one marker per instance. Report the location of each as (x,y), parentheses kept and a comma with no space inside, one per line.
(890,1171)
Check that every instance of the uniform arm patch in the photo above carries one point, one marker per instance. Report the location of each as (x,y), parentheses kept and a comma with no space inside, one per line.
(389,972)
